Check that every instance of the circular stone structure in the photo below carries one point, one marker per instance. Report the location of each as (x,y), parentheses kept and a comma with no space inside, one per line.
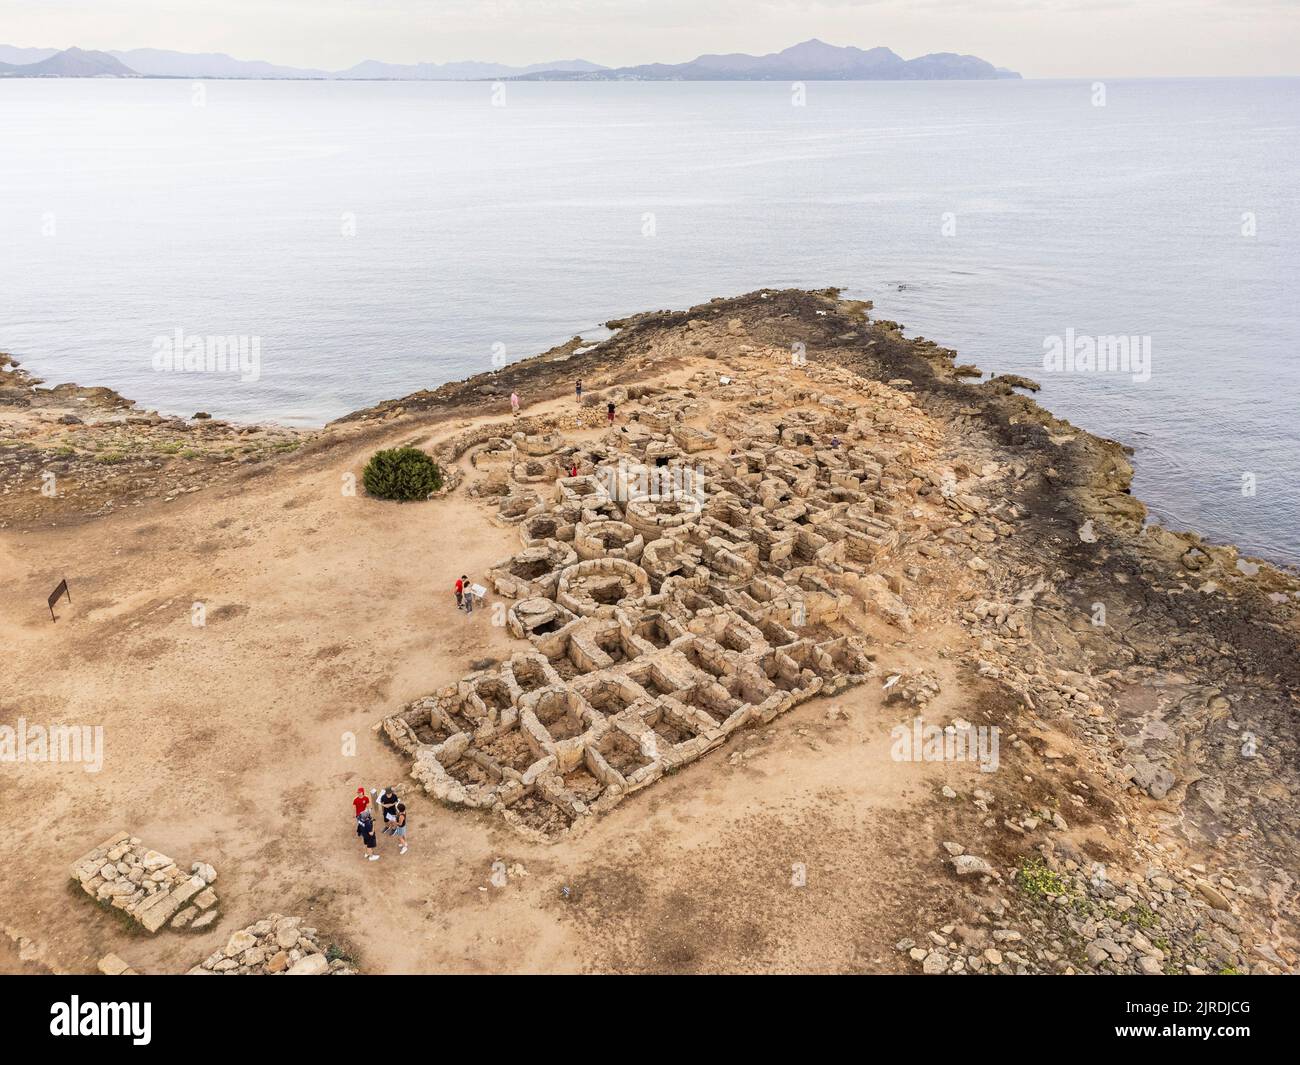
(547,525)
(534,571)
(600,584)
(492,455)
(605,538)
(652,516)
(538,444)
(537,616)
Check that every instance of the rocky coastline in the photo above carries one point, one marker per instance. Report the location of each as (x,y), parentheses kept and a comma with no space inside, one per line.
(1146,683)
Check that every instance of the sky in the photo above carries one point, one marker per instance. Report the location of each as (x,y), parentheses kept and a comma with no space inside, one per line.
(1039,38)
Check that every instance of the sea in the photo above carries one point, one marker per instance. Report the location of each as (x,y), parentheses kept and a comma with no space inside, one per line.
(1130,244)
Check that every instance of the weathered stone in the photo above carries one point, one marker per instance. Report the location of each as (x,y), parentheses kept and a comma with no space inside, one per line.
(239,942)
(311,965)
(157,911)
(112,965)
(970,865)
(184,917)
(935,963)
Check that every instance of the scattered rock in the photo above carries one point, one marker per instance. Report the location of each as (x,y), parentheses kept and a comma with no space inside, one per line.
(275,945)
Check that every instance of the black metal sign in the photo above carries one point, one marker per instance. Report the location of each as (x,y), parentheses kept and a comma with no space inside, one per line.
(62,589)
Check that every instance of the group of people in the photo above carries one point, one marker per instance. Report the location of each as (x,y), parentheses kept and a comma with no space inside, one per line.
(610,410)
(393,811)
(464,594)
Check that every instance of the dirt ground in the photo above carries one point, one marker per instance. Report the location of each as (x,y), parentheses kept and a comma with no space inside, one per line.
(802,846)
(230,743)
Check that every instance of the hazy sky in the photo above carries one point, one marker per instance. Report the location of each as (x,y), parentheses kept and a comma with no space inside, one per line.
(1040,38)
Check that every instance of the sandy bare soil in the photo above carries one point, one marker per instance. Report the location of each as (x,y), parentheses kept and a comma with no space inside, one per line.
(240,743)
(224,743)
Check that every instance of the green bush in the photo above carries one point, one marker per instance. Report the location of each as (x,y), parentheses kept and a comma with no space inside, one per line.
(402,473)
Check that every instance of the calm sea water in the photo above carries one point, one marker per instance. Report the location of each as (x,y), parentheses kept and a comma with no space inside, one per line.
(382,237)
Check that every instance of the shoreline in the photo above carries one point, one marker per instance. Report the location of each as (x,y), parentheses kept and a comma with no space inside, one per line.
(964,556)
(63,397)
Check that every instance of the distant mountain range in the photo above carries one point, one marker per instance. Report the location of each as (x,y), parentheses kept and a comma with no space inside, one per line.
(470,70)
(810,61)
(71,63)
(158,63)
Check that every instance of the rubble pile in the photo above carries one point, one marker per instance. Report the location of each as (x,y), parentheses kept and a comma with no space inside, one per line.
(275,946)
(147,886)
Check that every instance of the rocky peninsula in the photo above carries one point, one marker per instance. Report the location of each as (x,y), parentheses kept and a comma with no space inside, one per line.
(872,560)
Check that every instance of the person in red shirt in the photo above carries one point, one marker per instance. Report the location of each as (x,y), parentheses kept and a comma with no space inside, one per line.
(361,801)
(460,593)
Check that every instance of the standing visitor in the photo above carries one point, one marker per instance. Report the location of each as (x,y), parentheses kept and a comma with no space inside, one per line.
(388,804)
(399,828)
(460,595)
(361,801)
(514,404)
(468,593)
(610,411)
(577,388)
(366,830)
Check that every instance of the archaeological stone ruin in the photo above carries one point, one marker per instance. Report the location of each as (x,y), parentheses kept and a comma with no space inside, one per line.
(147,886)
(689,582)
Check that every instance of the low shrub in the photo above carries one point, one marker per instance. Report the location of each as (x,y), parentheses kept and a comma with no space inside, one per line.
(402,473)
